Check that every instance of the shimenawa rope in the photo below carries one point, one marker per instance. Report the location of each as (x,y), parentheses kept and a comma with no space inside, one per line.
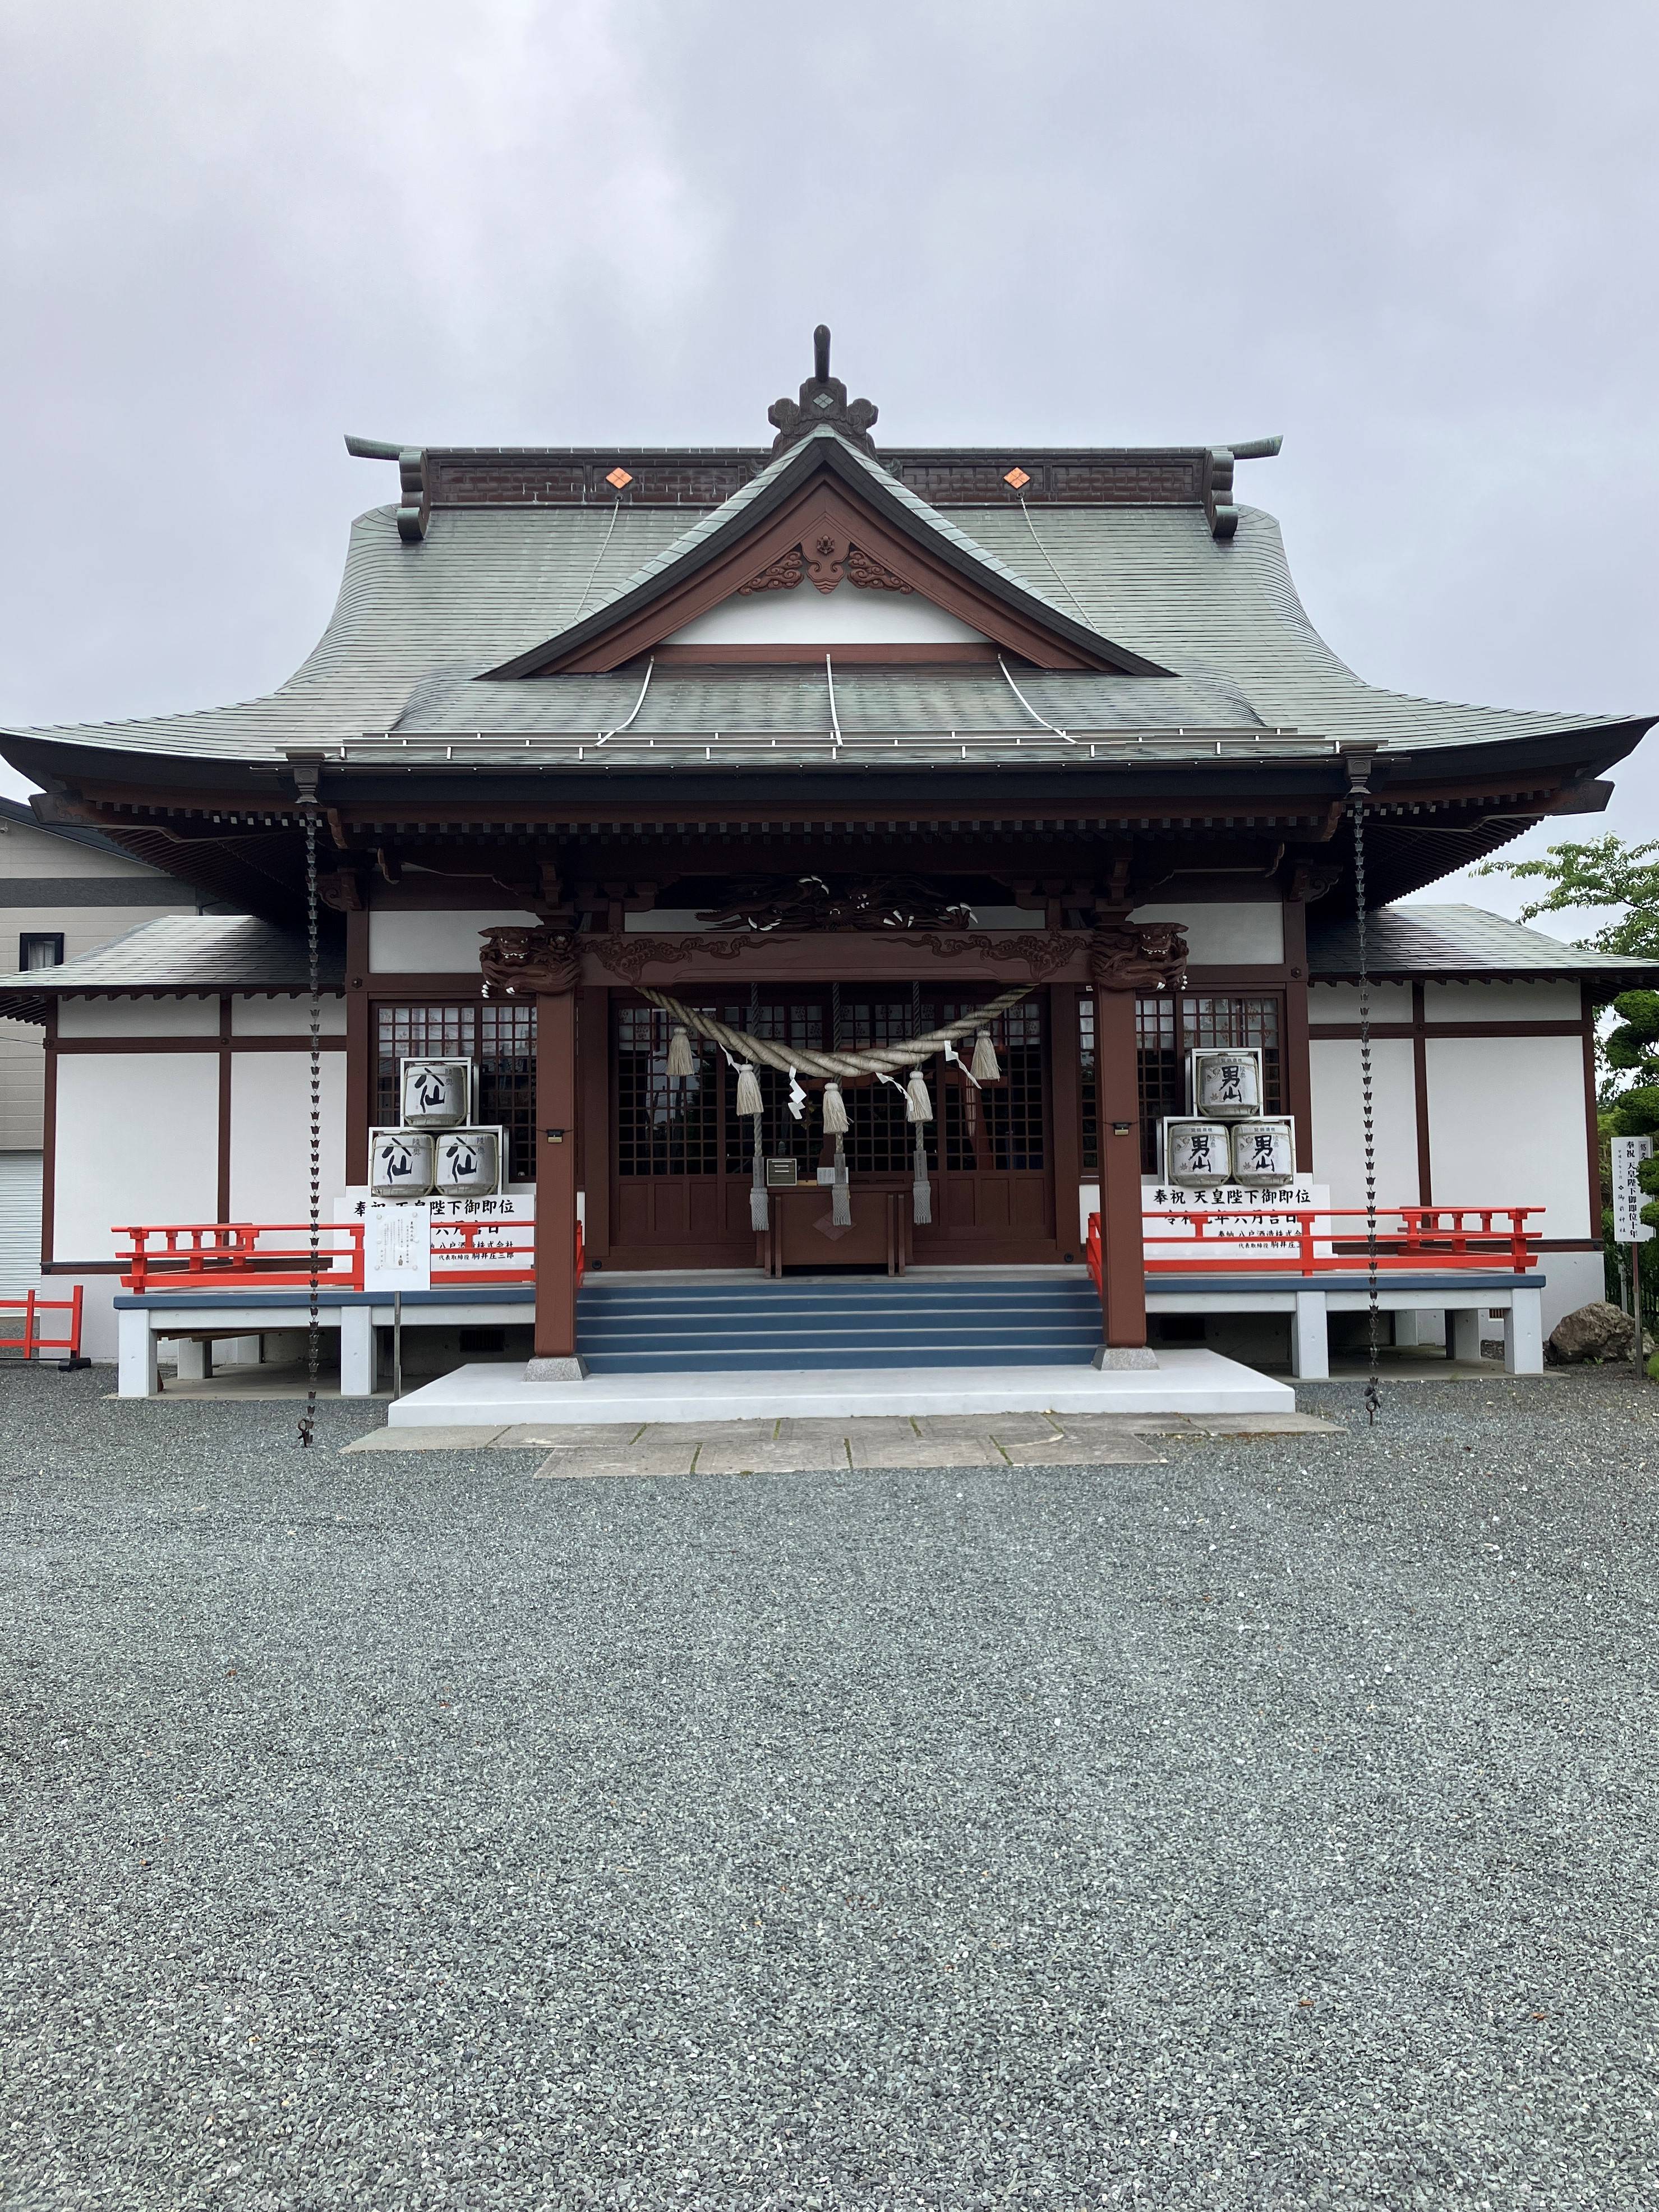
(745,1051)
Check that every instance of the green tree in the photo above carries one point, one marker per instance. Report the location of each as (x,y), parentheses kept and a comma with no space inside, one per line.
(1605,872)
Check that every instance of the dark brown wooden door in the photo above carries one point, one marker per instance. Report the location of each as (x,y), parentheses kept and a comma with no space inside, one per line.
(995,1186)
(682,1162)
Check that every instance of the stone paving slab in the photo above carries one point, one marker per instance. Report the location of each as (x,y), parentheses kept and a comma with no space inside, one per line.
(1123,1449)
(868,1442)
(890,1440)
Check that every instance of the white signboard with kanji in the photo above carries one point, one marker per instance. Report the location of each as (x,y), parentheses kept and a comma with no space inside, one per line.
(1628,1195)
(500,1235)
(1264,1222)
(397,1244)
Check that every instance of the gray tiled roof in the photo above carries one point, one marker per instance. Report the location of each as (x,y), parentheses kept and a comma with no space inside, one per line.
(1456,940)
(414,625)
(182,953)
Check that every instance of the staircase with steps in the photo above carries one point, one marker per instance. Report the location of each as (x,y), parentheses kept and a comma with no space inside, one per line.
(634,1325)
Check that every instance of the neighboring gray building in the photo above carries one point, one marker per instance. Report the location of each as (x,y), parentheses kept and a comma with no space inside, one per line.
(62,892)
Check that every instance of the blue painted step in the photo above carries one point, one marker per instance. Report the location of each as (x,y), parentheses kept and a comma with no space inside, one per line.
(676,1328)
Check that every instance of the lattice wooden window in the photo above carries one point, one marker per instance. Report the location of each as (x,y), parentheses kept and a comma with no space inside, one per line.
(795,1021)
(880,1141)
(665,1126)
(501,1039)
(1008,1116)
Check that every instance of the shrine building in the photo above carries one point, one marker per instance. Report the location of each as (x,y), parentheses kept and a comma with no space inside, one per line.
(947,806)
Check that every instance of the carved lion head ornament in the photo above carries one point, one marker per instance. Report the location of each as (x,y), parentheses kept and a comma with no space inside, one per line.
(527,961)
(1138,956)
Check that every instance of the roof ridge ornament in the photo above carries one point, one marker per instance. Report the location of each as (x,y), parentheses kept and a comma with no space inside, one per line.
(823,400)
(414,507)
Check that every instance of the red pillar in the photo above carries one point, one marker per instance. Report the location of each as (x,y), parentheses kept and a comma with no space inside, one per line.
(1118,1092)
(556,1158)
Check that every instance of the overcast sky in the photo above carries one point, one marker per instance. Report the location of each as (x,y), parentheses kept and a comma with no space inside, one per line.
(1419,240)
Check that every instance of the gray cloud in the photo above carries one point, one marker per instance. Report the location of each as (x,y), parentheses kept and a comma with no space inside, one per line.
(1418,241)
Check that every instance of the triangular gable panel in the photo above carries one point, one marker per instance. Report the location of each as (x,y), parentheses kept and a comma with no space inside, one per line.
(823,519)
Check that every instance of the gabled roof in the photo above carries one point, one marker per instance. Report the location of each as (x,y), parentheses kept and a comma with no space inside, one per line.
(182,954)
(415,626)
(824,477)
(1413,940)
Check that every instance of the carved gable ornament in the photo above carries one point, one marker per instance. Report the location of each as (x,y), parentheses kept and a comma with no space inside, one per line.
(827,516)
(822,399)
(828,556)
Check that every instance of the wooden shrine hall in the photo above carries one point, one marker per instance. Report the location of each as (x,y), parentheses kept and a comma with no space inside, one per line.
(830,864)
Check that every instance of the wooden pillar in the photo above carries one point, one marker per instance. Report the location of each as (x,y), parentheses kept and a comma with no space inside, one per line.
(1118,1090)
(1296,1061)
(1066,1115)
(593,1020)
(360,1050)
(556,1158)
(222,1198)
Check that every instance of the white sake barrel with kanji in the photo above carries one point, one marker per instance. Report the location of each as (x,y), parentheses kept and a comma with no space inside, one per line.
(399,1163)
(1227,1086)
(469,1163)
(1196,1151)
(436,1094)
(1264,1151)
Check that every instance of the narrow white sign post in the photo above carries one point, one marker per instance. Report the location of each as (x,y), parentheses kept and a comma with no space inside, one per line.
(1628,1226)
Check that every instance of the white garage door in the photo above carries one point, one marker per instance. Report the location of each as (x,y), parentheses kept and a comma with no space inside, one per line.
(20,1221)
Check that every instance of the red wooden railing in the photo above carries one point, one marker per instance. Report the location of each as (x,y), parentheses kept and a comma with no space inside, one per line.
(31,1344)
(1407,1237)
(232,1255)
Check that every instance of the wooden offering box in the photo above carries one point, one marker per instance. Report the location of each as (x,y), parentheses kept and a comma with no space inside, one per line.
(802,1235)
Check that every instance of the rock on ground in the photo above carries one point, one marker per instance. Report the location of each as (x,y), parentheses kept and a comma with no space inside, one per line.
(1597,1331)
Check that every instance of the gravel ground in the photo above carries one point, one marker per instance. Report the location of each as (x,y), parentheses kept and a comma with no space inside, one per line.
(1270,1827)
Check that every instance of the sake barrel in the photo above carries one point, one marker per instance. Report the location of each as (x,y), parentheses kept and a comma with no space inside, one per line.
(1196,1151)
(1264,1151)
(437,1094)
(399,1163)
(469,1163)
(1227,1086)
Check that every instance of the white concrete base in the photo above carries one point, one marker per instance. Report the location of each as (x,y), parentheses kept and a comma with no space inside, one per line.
(1187,1380)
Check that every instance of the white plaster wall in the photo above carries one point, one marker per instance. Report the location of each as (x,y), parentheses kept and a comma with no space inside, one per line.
(1338,1137)
(138,1017)
(284,1017)
(847,616)
(1340,1002)
(1501,1001)
(1241,933)
(98,1297)
(1571,1279)
(434,942)
(1507,1128)
(137,1141)
(271,1134)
